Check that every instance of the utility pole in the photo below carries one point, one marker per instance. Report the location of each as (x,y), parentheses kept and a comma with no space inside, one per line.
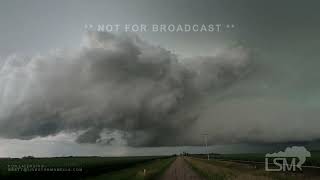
(205,136)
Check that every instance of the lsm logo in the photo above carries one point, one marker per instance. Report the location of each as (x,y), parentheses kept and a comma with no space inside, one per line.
(289,160)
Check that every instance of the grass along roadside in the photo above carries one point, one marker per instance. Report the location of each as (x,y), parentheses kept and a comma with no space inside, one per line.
(149,170)
(314,160)
(224,170)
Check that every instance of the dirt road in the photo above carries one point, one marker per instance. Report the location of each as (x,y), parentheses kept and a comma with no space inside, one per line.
(179,170)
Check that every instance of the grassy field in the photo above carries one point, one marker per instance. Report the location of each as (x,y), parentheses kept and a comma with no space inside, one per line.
(70,167)
(148,170)
(314,160)
(226,170)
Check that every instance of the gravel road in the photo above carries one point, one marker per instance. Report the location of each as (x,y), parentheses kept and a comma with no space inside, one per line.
(179,170)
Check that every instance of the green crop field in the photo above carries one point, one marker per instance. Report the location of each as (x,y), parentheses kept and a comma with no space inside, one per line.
(74,167)
(148,170)
(314,160)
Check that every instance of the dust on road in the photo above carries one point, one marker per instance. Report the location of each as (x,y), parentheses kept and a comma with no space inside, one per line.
(179,170)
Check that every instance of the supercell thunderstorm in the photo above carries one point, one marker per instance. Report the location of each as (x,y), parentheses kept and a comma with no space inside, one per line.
(147,94)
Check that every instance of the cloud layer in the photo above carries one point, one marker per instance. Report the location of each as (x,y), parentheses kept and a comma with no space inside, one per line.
(113,84)
(121,90)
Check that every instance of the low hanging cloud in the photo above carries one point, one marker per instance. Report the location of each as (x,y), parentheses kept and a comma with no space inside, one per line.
(114,87)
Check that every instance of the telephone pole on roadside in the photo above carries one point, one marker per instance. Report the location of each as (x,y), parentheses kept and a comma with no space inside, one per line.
(205,136)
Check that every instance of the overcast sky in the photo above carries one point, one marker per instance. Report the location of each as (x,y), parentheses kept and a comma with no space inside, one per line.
(37,26)
(273,100)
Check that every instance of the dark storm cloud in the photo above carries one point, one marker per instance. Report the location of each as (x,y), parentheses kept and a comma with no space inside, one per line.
(113,83)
